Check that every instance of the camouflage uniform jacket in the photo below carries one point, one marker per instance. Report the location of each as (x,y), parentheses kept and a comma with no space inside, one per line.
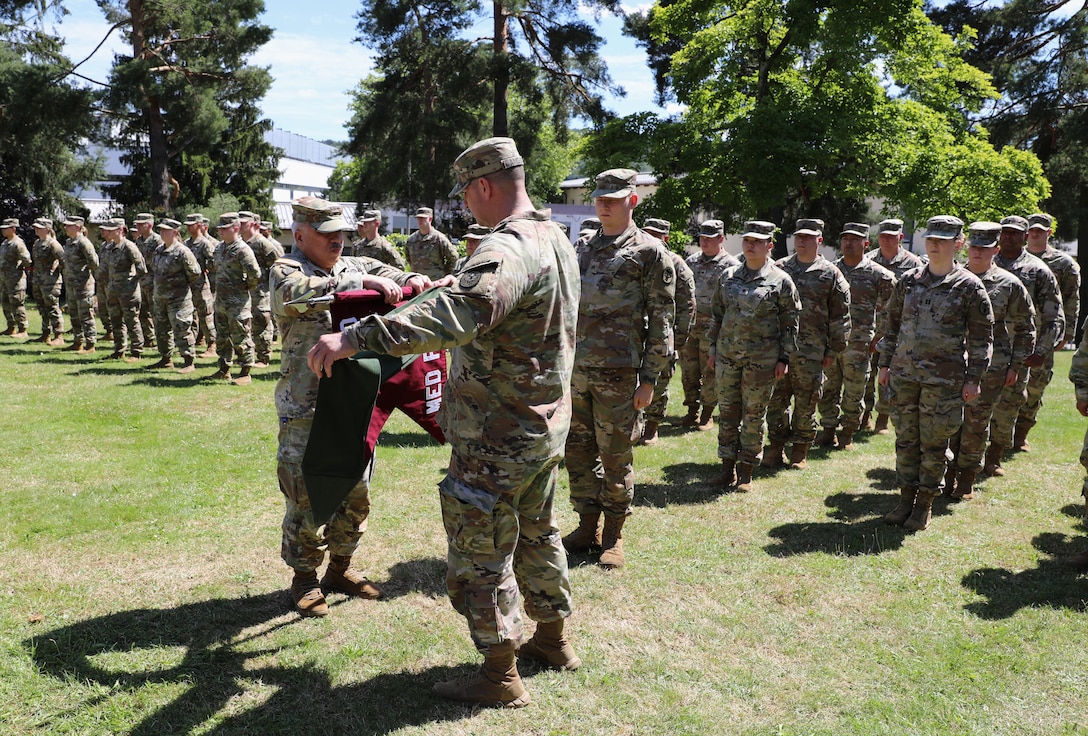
(627,306)
(1067,272)
(121,266)
(904,261)
(176,272)
(80,261)
(754,315)
(940,328)
(431,255)
(708,271)
(204,248)
(266,251)
(685,300)
(14,261)
(823,326)
(294,277)
(147,247)
(48,256)
(871,285)
(1014,319)
(1045,296)
(1078,371)
(379,249)
(236,273)
(511,321)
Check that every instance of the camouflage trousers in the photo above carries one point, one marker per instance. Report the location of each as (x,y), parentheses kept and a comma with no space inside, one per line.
(304,543)
(844,388)
(13,296)
(504,543)
(697,377)
(123,307)
(1038,379)
(655,412)
(81,313)
(744,390)
(1084,462)
(802,384)
(603,429)
(232,333)
(47,297)
(969,444)
(1007,409)
(876,396)
(262,323)
(204,303)
(174,316)
(147,307)
(927,417)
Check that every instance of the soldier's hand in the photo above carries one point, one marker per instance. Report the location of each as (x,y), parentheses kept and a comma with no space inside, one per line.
(883,376)
(419,283)
(329,349)
(1010,377)
(388,288)
(780,370)
(447,280)
(971,391)
(644,394)
(1082,407)
(1033,361)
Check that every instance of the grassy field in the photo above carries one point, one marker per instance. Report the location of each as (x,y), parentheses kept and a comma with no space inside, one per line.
(143,591)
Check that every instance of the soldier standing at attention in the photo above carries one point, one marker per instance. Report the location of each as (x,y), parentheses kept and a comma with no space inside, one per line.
(121,269)
(236,273)
(1014,341)
(48,256)
(203,248)
(846,378)
(937,347)
(753,335)
(1078,374)
(1015,412)
(891,255)
(473,237)
(80,266)
(429,252)
(14,263)
(266,251)
(625,322)
(509,322)
(682,325)
(822,331)
(588,229)
(696,374)
(176,273)
(373,245)
(147,241)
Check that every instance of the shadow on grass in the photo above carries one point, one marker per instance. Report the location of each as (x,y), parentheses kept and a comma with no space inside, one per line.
(882,479)
(218,669)
(426,576)
(685,483)
(853,532)
(1052,584)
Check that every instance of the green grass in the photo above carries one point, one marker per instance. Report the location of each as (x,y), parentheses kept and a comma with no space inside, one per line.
(142,590)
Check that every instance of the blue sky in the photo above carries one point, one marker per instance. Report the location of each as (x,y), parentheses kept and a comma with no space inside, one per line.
(315,63)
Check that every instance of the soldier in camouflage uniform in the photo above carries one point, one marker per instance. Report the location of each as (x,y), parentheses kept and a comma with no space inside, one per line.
(203,247)
(681,328)
(80,266)
(510,322)
(14,263)
(371,244)
(48,256)
(937,347)
(753,337)
(625,323)
(266,251)
(473,237)
(236,273)
(1014,341)
(891,255)
(1078,374)
(1011,420)
(315,268)
(822,332)
(846,378)
(147,241)
(176,273)
(696,374)
(121,268)
(429,252)
(588,229)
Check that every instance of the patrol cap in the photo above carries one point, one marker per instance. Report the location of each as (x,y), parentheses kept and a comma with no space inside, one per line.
(424,212)
(320,214)
(711,228)
(591,223)
(892,225)
(45,222)
(861,229)
(477,232)
(228,219)
(195,218)
(759,229)
(371,215)
(74,220)
(114,223)
(809,227)
(267,224)
(615,183)
(944,227)
(144,217)
(169,224)
(1040,220)
(1015,222)
(247,216)
(482,158)
(656,225)
(205,220)
(984,234)
(10,222)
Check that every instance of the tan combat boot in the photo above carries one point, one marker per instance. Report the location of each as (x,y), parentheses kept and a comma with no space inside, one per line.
(903,510)
(342,578)
(691,417)
(551,647)
(496,684)
(728,475)
(706,419)
(211,352)
(1020,437)
(649,434)
(845,439)
(744,477)
(866,422)
(799,455)
(163,362)
(827,437)
(965,485)
(587,537)
(187,366)
(223,374)
(772,456)
(612,542)
(992,463)
(306,594)
(919,518)
(243,378)
(950,479)
(881,426)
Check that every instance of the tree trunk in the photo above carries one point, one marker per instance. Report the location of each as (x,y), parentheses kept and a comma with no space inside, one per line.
(152,114)
(501,125)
